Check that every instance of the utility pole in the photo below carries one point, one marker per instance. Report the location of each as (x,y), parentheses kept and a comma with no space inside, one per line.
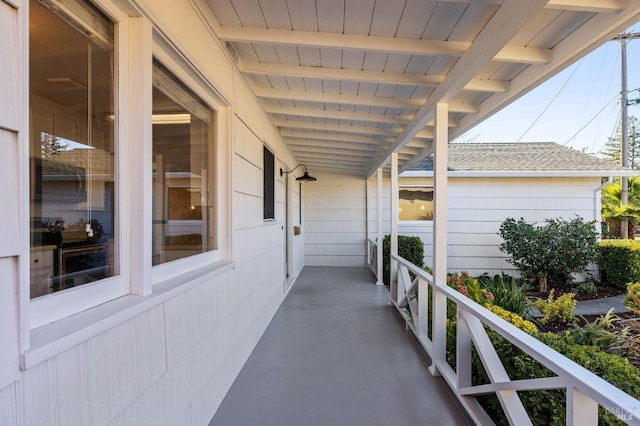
(624,134)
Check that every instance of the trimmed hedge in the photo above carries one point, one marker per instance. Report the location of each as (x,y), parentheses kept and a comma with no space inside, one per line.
(619,262)
(410,248)
(547,407)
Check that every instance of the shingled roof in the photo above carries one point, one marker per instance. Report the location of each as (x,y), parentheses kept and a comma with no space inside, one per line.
(76,161)
(520,156)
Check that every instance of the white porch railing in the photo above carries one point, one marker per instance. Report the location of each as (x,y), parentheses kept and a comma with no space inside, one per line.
(372,256)
(585,391)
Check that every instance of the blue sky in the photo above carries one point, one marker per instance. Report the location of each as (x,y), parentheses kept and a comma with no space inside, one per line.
(578,108)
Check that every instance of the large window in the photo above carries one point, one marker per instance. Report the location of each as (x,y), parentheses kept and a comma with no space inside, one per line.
(416,203)
(72,182)
(183,196)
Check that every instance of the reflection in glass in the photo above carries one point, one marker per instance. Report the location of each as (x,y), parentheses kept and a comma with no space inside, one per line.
(416,204)
(182,202)
(71,151)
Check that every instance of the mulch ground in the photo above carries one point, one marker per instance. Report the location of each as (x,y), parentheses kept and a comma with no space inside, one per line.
(601,292)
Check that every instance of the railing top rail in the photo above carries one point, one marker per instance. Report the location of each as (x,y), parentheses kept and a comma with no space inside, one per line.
(577,376)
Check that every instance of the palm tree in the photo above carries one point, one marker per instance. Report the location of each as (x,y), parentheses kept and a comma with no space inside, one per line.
(612,209)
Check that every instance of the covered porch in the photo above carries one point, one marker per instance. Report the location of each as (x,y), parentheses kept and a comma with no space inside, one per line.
(336,353)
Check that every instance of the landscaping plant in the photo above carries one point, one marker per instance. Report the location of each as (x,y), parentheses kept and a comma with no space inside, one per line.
(598,333)
(549,253)
(619,261)
(632,299)
(508,293)
(556,310)
(410,248)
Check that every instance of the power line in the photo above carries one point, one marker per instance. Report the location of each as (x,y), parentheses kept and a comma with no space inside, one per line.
(551,101)
(592,118)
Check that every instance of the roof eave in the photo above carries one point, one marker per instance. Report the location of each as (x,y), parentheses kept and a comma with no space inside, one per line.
(528,173)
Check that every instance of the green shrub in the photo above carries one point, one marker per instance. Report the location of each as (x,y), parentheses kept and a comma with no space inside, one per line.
(597,333)
(549,253)
(508,293)
(547,407)
(515,319)
(619,262)
(556,310)
(612,368)
(410,248)
(587,287)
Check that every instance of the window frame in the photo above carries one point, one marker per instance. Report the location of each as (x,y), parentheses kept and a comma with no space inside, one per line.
(268,184)
(164,53)
(55,306)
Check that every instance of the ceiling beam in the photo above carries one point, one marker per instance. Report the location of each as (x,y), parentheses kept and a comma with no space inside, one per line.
(346,128)
(379,77)
(344,115)
(341,98)
(529,55)
(333,151)
(594,6)
(335,137)
(331,144)
(338,98)
(578,44)
(338,115)
(308,157)
(339,169)
(503,26)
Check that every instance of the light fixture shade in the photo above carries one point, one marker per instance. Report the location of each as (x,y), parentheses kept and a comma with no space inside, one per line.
(306,178)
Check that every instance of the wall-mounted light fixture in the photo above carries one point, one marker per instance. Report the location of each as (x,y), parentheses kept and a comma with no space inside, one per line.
(304,178)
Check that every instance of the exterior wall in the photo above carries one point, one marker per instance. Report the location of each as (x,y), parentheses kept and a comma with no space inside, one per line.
(335,221)
(11,118)
(477,207)
(170,356)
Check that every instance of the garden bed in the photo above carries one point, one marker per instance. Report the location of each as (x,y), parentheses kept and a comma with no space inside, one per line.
(600,293)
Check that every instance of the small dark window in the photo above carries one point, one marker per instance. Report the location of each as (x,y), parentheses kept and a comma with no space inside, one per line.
(269,185)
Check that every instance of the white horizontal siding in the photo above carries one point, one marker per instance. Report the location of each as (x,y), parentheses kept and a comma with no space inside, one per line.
(11,104)
(477,208)
(171,363)
(335,214)
(248,177)
(9,346)
(10,213)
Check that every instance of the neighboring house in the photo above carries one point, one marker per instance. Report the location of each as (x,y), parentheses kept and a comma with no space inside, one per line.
(489,182)
(183,230)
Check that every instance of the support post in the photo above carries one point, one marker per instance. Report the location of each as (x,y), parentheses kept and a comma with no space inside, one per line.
(380,235)
(581,410)
(440,236)
(394,226)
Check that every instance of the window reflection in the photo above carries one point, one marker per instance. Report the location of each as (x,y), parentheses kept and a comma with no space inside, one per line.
(71,151)
(416,204)
(182,200)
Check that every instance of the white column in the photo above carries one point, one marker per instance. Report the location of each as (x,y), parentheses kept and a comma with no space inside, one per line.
(440,235)
(394,225)
(379,234)
(135,171)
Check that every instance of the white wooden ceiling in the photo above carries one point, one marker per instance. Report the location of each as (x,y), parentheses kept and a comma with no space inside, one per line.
(348,82)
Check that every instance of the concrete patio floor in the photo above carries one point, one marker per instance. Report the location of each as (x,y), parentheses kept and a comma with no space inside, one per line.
(337,354)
